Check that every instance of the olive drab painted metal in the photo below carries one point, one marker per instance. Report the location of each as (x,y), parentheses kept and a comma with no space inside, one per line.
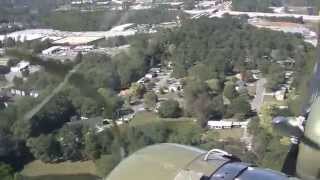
(179,162)
(308,165)
(165,162)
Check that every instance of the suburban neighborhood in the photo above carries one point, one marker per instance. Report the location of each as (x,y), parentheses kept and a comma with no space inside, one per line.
(88,83)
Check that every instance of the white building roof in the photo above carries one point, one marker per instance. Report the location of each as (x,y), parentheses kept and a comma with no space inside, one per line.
(51,49)
(56,35)
(77,40)
(19,66)
(122,27)
(89,47)
(219,123)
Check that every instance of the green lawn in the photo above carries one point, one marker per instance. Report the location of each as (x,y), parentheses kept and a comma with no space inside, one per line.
(235,133)
(38,168)
(144,118)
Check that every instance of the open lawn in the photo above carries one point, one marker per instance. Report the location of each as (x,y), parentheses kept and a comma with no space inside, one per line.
(38,168)
(234,133)
(145,117)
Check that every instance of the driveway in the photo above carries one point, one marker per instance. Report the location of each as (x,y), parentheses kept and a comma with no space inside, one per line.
(258,99)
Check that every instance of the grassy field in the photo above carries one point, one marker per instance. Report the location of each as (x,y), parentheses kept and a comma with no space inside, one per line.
(144,118)
(38,168)
(235,133)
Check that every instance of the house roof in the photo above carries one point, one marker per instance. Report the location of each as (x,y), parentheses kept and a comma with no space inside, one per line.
(219,123)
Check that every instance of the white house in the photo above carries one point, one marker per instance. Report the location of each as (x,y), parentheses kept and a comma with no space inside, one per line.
(175,87)
(51,50)
(81,2)
(240,124)
(219,124)
(226,124)
(17,92)
(141,81)
(83,48)
(280,95)
(20,66)
(149,75)
(34,94)
(155,70)
(2,52)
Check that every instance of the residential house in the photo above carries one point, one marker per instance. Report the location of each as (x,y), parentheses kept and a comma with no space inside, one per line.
(280,95)
(2,52)
(226,124)
(175,87)
(22,65)
(256,74)
(240,85)
(219,124)
(17,92)
(150,75)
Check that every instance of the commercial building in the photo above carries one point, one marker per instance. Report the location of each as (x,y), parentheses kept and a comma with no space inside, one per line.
(79,40)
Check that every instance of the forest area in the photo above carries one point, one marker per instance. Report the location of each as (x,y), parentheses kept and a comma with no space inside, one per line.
(204,52)
(77,20)
(255,5)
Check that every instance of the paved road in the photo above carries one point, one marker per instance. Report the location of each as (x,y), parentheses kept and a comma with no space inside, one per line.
(258,99)
(138,107)
(247,137)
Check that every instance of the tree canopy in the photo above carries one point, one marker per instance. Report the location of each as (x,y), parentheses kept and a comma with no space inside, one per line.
(170,109)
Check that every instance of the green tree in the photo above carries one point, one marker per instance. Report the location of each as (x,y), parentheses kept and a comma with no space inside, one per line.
(230,91)
(18,82)
(203,108)
(45,147)
(12,62)
(200,72)
(240,106)
(72,142)
(169,109)
(150,100)
(111,102)
(275,77)
(214,85)
(6,171)
(193,89)
(254,126)
(137,90)
(105,164)
(105,140)
(39,46)
(9,42)
(92,147)
(188,135)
